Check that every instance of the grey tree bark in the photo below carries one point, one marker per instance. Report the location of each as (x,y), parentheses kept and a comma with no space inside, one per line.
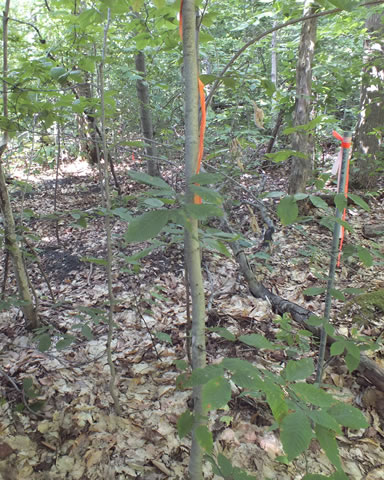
(301,140)
(146,116)
(192,244)
(368,145)
(11,243)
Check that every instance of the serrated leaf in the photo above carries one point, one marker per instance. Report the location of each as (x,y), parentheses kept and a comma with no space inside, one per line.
(328,443)
(298,369)
(275,399)
(311,291)
(203,211)
(365,256)
(313,394)
(44,342)
(143,177)
(318,202)
(206,178)
(200,376)
(348,416)
(320,417)
(185,424)
(359,201)
(205,438)
(287,210)
(147,226)
(256,340)
(223,332)
(295,434)
(217,245)
(216,393)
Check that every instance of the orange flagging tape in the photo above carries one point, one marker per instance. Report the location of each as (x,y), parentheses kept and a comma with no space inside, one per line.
(342,233)
(339,137)
(203,120)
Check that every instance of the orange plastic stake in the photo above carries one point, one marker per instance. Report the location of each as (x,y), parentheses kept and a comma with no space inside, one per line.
(344,145)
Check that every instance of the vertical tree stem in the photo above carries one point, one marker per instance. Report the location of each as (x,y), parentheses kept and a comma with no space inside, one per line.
(192,244)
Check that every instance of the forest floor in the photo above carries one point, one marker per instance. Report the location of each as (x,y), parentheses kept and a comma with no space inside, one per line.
(74,432)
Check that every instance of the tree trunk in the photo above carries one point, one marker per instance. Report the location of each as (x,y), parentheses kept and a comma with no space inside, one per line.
(301,140)
(26,303)
(146,116)
(368,145)
(89,146)
(192,244)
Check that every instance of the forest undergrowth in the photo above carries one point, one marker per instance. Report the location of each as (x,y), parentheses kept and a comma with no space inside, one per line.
(57,417)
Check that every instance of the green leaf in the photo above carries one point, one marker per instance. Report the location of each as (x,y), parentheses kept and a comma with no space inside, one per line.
(340,201)
(223,332)
(185,424)
(320,417)
(96,261)
(338,347)
(337,294)
(204,437)
(164,337)
(225,466)
(343,4)
(206,178)
(328,443)
(44,342)
(207,194)
(256,340)
(352,362)
(207,79)
(365,256)
(147,226)
(298,369)
(216,393)
(284,155)
(313,394)
(312,291)
(287,210)
(87,332)
(200,376)
(295,434)
(318,202)
(203,211)
(359,201)
(348,416)
(217,245)
(275,399)
(142,177)
(65,342)
(315,321)
(57,72)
